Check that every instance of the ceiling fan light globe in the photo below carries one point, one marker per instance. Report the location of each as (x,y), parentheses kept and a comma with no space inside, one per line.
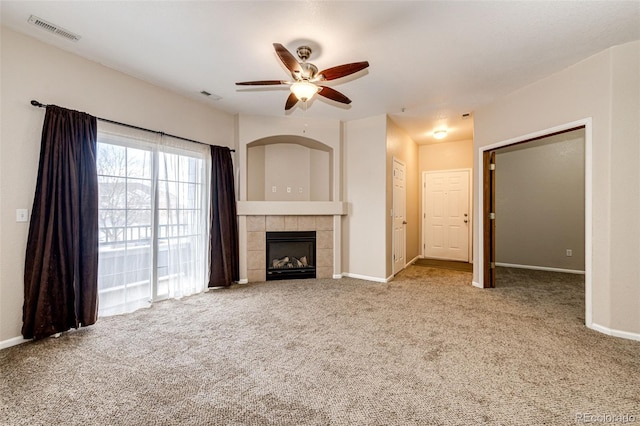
(304,90)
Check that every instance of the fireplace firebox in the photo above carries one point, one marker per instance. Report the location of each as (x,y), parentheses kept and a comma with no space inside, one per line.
(291,255)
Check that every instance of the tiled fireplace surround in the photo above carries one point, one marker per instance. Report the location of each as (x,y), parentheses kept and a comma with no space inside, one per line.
(258,225)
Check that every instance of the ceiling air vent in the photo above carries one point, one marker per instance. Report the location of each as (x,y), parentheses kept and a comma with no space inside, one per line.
(212,95)
(52,28)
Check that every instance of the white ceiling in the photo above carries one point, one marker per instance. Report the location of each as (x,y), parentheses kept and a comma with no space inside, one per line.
(430,61)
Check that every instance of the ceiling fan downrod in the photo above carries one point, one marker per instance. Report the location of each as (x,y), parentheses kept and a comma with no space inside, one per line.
(309,71)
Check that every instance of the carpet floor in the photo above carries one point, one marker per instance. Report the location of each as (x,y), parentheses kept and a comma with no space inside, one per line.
(445,264)
(425,349)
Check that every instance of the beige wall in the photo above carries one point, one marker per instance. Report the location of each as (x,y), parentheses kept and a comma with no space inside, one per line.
(402,147)
(255,173)
(286,169)
(625,188)
(364,154)
(319,175)
(446,156)
(306,171)
(540,202)
(603,88)
(31,69)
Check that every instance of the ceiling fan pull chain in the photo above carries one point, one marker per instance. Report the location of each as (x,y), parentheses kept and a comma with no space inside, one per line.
(304,116)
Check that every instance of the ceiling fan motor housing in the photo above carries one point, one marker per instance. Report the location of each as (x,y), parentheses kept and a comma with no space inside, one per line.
(309,71)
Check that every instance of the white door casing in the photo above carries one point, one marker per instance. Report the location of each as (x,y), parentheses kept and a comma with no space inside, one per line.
(446,215)
(399,216)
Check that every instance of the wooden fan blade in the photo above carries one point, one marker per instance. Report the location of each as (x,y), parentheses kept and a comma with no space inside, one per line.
(333,94)
(291,101)
(287,58)
(342,70)
(261,83)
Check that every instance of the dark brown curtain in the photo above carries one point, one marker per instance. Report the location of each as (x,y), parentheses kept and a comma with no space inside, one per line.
(223,245)
(61,267)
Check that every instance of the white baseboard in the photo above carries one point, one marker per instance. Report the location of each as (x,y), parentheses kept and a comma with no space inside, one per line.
(476,284)
(365,277)
(414,260)
(540,268)
(243,281)
(13,342)
(337,276)
(615,333)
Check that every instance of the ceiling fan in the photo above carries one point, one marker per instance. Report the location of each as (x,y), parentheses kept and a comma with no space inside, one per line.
(306,76)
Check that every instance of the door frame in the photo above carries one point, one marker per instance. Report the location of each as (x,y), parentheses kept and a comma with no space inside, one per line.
(423,240)
(488,222)
(588,203)
(393,217)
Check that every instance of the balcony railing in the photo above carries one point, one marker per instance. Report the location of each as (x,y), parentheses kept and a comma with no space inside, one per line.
(125,267)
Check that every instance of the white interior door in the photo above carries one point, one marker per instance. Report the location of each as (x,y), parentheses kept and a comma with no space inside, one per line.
(399,215)
(446,217)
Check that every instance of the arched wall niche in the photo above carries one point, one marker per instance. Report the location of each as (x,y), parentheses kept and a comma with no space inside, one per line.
(289,168)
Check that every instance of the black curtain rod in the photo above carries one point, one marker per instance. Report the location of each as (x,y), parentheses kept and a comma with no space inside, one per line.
(131,126)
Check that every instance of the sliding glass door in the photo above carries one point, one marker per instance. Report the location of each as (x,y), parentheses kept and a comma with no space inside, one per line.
(153,222)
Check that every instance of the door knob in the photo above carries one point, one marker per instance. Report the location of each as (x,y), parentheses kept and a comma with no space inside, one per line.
(404,222)
(465,221)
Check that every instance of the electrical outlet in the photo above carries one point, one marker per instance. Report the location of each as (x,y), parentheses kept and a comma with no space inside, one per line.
(288,189)
(300,190)
(274,189)
(569,252)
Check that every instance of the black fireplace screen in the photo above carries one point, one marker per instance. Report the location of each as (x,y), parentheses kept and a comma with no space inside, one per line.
(291,255)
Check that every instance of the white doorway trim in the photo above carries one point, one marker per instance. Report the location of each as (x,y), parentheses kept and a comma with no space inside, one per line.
(423,240)
(588,203)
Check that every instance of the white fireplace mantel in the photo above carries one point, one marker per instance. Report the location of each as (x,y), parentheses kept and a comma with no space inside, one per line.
(300,208)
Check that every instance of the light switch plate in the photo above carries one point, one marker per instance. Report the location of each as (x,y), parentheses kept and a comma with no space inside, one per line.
(22,215)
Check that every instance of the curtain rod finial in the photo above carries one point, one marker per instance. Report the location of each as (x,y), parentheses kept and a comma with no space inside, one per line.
(36,103)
